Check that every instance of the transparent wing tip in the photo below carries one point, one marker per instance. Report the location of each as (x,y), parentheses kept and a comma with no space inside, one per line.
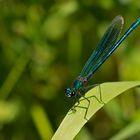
(119,19)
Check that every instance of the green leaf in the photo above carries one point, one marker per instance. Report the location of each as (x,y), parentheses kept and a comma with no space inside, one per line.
(73,122)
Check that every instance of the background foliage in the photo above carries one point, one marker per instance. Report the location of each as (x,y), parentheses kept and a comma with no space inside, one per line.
(43,47)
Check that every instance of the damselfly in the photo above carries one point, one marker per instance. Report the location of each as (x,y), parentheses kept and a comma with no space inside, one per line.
(107,45)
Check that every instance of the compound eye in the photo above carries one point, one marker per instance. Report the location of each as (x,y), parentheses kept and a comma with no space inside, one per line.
(68,92)
(73,93)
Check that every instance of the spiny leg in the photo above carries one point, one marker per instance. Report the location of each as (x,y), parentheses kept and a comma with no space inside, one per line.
(73,108)
(76,101)
(90,86)
(100,98)
(85,98)
(86,108)
(101,101)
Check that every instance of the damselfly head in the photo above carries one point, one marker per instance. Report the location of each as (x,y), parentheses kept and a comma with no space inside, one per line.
(70,92)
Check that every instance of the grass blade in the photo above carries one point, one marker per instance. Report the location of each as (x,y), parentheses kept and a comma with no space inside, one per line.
(73,122)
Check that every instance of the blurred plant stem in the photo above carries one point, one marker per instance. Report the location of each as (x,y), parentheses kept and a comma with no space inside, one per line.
(14,75)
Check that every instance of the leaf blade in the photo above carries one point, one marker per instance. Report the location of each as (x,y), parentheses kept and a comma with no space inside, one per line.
(73,123)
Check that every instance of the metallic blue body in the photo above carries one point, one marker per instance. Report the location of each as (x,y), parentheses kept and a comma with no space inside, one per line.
(104,49)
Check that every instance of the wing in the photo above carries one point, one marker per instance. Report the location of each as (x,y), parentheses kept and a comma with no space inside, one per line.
(104,48)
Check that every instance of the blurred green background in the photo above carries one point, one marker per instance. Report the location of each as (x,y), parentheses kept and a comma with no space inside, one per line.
(43,47)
